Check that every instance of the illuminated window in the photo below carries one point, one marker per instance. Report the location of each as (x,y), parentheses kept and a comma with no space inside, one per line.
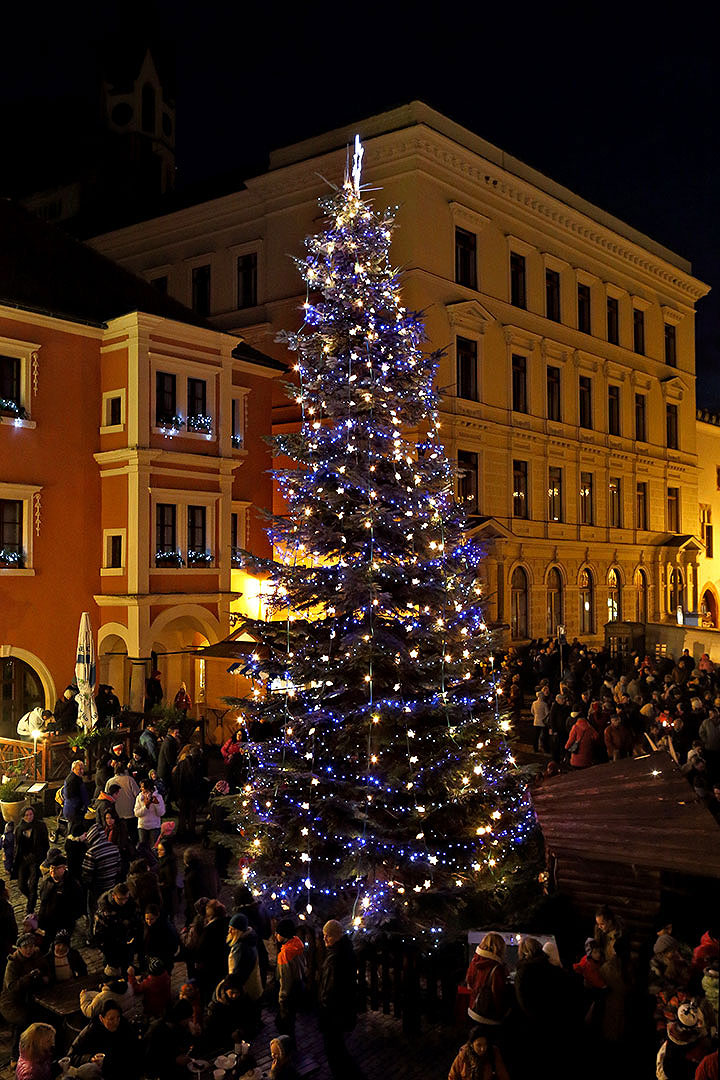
(520,489)
(587,601)
(641,584)
(555,493)
(615,502)
(586,498)
(614,596)
(519,596)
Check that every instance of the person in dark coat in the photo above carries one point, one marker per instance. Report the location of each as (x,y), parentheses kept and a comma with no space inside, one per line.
(8,928)
(244,903)
(199,880)
(212,951)
(108,704)
(159,938)
(26,971)
(61,898)
(31,847)
(64,961)
(66,710)
(168,1044)
(168,876)
(111,1035)
(167,760)
(143,885)
(227,1014)
(116,926)
(153,692)
(337,995)
(188,784)
(149,743)
(75,797)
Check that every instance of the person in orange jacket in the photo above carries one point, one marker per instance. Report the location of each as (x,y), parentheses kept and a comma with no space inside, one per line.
(291,975)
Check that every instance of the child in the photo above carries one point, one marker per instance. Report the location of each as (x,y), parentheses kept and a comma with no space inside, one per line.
(594,985)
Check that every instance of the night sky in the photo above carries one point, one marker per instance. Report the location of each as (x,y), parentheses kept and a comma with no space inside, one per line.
(618,104)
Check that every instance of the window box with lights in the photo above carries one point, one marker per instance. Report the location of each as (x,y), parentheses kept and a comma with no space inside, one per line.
(183,398)
(169,559)
(16,373)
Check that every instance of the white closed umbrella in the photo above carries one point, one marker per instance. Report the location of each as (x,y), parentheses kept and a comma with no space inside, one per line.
(85,675)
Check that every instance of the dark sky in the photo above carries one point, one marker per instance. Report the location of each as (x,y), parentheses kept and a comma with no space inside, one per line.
(617,103)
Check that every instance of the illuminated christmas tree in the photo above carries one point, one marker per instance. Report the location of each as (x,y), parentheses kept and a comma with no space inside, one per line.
(387,790)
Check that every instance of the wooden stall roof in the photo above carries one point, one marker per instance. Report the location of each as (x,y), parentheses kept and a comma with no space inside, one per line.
(640,812)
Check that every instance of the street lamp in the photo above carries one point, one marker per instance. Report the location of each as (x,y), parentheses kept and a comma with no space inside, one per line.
(35,736)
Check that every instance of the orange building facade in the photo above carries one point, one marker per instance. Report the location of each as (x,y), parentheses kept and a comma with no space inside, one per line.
(132,466)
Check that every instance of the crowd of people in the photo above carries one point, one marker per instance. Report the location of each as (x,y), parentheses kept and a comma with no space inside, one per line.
(120,888)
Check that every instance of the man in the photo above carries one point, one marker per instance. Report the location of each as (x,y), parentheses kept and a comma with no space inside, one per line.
(66,710)
(116,926)
(290,975)
(336,1000)
(35,720)
(75,796)
(167,759)
(243,962)
(60,896)
(101,867)
(159,938)
(125,798)
(110,1042)
(108,704)
(149,743)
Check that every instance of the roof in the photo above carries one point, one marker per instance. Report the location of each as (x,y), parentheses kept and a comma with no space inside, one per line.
(638,812)
(42,269)
(243,351)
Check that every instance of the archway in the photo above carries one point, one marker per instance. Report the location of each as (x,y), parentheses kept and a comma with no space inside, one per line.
(709,607)
(113,667)
(21,689)
(173,635)
(519,597)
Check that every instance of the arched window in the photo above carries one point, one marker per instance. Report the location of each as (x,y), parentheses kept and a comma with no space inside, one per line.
(676,591)
(554,601)
(709,609)
(641,584)
(147,118)
(614,602)
(519,591)
(20,691)
(587,602)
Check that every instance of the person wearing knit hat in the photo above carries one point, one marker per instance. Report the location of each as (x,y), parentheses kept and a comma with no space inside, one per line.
(291,975)
(680,1051)
(154,988)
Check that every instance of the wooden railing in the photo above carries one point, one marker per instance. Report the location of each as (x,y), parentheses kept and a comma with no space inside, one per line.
(50,761)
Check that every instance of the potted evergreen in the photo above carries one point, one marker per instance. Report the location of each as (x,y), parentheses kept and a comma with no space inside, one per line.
(11,801)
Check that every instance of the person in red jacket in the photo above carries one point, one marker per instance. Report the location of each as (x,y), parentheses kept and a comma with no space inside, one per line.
(707,951)
(708,1067)
(486,979)
(581,742)
(154,987)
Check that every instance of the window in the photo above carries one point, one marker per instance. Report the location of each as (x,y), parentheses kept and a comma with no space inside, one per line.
(587,602)
(519,383)
(238,425)
(585,401)
(201,289)
(115,411)
(555,493)
(197,417)
(466,258)
(583,303)
(197,554)
(247,280)
(165,398)
(161,284)
(613,320)
(614,596)
(706,529)
(640,418)
(614,502)
(671,426)
(676,598)
(554,411)
(519,598)
(166,548)
(468,481)
(116,551)
(614,410)
(552,295)
(639,330)
(586,498)
(673,509)
(518,288)
(717,477)
(520,489)
(641,505)
(12,553)
(641,584)
(10,394)
(467,380)
(114,546)
(554,601)
(235,545)
(147,107)
(670,345)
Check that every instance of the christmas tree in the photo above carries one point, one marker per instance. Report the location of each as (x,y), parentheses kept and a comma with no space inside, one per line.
(387,790)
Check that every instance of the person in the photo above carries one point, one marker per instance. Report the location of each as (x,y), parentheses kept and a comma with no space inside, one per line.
(116,833)
(36,720)
(244,903)
(65,963)
(7,842)
(212,949)
(618,739)
(167,759)
(479,1059)
(169,1043)
(199,881)
(153,691)
(143,884)
(101,867)
(243,962)
(26,970)
(708,1068)
(149,742)
(337,999)
(281,1056)
(75,796)
(31,846)
(608,930)
(37,1043)
(236,759)
(291,975)
(684,1046)
(540,711)
(149,811)
(581,742)
(108,704)
(183,701)
(125,797)
(112,988)
(60,897)
(168,876)
(486,978)
(159,938)
(154,988)
(116,926)
(226,1012)
(66,710)
(8,928)
(187,782)
(110,1042)
(707,952)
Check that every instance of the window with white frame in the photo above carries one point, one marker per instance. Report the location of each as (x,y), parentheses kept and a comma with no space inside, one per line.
(184,528)
(17,520)
(183,398)
(16,378)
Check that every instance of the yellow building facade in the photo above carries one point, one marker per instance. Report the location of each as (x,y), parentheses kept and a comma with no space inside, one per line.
(568,374)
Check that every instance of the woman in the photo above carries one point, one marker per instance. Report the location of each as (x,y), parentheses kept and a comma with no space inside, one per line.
(36,1053)
(281,1054)
(183,701)
(31,847)
(581,743)
(189,788)
(487,980)
(8,928)
(211,964)
(65,962)
(167,877)
(478,1059)
(117,833)
(149,810)
(235,758)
